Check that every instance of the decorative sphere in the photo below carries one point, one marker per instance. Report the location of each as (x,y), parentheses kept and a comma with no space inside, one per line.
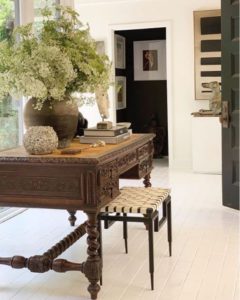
(40,140)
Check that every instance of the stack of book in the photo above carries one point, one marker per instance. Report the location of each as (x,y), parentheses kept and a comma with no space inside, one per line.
(115,135)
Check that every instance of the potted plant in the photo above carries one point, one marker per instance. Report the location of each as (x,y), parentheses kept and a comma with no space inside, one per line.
(49,66)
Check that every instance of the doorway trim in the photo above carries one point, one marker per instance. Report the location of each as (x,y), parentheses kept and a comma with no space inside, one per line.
(110,50)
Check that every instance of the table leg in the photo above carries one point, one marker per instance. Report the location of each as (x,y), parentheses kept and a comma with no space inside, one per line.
(147,184)
(146,181)
(93,265)
(72,218)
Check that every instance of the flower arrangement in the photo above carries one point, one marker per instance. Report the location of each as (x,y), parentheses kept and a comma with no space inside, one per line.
(53,62)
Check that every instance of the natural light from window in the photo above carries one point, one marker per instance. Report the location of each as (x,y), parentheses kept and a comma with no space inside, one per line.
(9,123)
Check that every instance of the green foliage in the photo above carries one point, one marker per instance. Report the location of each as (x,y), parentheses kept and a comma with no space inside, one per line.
(8,116)
(5,16)
(8,131)
(53,63)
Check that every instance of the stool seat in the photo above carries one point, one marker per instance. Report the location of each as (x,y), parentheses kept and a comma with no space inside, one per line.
(137,200)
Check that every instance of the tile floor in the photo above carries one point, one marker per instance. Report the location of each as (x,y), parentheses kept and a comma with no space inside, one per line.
(204,266)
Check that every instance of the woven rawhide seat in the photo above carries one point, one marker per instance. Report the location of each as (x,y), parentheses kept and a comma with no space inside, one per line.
(140,204)
(137,200)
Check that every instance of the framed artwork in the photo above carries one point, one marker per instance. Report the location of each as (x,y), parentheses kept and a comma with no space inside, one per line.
(207,50)
(120,52)
(149,60)
(120,92)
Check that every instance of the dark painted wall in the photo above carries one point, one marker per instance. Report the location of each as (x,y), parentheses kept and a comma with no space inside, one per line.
(144,98)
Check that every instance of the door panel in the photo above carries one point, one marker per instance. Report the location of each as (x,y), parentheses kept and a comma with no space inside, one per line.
(230,93)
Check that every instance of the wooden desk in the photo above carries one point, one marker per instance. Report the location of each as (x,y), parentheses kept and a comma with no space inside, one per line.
(85,181)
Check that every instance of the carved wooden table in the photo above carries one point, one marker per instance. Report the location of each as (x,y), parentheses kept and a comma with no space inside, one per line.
(85,181)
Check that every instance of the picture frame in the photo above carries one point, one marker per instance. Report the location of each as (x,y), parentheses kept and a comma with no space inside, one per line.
(120,60)
(149,60)
(120,92)
(207,50)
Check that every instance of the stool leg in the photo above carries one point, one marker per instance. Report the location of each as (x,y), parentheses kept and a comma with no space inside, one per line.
(156,223)
(151,251)
(125,234)
(100,245)
(107,223)
(164,209)
(169,226)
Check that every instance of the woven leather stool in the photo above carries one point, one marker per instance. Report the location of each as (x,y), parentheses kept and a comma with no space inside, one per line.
(140,204)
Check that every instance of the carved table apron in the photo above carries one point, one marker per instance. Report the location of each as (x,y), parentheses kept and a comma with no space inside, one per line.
(85,181)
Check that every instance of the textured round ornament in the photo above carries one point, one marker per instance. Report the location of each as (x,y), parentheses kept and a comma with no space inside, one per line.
(40,140)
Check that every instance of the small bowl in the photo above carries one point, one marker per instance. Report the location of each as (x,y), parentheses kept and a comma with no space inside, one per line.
(125,124)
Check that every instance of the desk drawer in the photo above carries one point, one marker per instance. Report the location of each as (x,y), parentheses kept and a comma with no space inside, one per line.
(140,170)
(127,161)
(144,150)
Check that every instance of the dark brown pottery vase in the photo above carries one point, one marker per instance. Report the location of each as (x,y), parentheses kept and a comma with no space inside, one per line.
(60,115)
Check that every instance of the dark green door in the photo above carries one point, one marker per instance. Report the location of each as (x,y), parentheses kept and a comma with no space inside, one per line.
(230,98)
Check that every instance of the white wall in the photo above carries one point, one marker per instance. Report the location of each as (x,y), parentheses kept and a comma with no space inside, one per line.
(101,15)
(67,2)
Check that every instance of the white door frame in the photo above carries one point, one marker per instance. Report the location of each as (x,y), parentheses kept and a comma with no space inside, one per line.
(147,25)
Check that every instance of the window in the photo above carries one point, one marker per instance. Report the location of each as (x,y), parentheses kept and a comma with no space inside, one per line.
(9,108)
(38,5)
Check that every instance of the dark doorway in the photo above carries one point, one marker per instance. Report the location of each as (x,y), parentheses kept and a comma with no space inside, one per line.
(146,100)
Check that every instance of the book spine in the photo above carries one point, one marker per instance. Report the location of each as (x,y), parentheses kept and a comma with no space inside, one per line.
(122,137)
(107,133)
(108,140)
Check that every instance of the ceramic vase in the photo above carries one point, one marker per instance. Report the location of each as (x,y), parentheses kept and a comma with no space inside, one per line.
(62,116)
